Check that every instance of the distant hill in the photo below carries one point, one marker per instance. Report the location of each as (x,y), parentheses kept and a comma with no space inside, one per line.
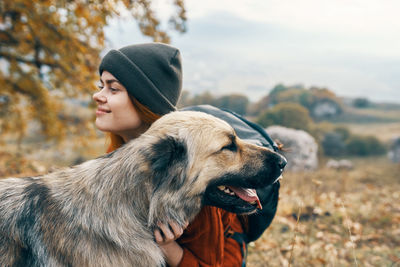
(321,103)
(324,104)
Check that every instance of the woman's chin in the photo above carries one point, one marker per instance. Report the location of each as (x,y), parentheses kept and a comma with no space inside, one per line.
(101,125)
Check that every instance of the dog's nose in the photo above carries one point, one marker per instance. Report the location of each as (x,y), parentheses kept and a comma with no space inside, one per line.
(282,162)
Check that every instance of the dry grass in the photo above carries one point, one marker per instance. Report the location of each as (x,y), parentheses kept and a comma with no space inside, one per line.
(347,218)
(385,132)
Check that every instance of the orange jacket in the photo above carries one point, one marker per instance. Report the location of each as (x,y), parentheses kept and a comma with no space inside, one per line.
(204,243)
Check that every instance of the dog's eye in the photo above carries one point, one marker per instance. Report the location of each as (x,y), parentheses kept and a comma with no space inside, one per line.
(231,147)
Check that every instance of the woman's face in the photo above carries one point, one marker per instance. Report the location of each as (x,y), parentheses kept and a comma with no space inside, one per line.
(115,112)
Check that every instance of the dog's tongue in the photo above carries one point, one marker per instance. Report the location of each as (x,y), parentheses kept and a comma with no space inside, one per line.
(247,194)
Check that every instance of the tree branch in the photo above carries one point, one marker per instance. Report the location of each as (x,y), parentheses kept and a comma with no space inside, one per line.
(11,41)
(33,62)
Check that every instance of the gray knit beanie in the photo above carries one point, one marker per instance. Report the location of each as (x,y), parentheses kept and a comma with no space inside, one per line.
(151,72)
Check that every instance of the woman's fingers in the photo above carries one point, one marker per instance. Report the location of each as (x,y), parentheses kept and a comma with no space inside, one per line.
(176,229)
(168,232)
(158,236)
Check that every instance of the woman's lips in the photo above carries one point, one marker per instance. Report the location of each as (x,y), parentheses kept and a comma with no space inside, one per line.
(101,111)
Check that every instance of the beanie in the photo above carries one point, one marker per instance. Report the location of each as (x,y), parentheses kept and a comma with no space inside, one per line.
(150,72)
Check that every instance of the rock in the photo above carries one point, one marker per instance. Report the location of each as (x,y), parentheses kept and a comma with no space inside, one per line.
(343,164)
(332,164)
(394,150)
(299,147)
(325,108)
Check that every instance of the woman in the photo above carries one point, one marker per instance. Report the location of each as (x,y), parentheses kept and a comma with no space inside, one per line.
(138,84)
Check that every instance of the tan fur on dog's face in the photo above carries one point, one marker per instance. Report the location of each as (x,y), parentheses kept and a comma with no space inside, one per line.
(205,136)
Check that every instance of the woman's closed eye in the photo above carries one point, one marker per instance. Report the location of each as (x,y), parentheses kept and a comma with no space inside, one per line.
(113,90)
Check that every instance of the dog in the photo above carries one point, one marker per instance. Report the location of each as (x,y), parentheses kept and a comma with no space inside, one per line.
(103,212)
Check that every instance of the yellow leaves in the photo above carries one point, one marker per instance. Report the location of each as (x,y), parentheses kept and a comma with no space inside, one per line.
(81,11)
(14,165)
(14,121)
(46,111)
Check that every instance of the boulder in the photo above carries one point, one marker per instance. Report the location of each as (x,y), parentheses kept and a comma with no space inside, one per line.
(299,147)
(325,109)
(394,150)
(343,164)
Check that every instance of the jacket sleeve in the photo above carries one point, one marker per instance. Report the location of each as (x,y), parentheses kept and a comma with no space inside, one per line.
(204,243)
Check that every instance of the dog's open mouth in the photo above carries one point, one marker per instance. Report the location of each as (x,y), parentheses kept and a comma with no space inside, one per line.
(247,194)
(234,198)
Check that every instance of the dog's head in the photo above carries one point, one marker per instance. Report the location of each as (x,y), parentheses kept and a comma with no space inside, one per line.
(197,159)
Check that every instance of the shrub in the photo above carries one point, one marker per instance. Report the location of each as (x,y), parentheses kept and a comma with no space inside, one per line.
(365,146)
(361,103)
(344,132)
(333,144)
(286,114)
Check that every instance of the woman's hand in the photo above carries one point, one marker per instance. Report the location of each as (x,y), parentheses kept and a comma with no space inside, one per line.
(165,236)
(167,233)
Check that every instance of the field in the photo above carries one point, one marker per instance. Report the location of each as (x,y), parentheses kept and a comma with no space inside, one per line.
(325,218)
(339,217)
(383,131)
(335,218)
(381,122)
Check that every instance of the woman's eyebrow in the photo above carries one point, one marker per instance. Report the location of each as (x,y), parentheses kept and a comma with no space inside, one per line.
(110,81)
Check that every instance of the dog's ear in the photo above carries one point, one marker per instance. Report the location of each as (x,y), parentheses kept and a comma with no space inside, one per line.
(169,162)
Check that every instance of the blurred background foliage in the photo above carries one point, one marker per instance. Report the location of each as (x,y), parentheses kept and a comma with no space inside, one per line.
(336,123)
(49,54)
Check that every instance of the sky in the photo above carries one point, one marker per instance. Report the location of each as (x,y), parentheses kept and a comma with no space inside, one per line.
(351,47)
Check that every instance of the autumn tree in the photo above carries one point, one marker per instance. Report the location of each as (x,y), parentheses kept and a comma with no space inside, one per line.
(49,52)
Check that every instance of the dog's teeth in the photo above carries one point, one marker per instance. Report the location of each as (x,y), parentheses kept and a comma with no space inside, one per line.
(230,192)
(226,190)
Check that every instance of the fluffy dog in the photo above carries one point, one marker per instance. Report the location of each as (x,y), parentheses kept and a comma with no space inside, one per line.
(103,212)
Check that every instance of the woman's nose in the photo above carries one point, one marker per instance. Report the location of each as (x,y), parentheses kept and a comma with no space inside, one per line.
(99,97)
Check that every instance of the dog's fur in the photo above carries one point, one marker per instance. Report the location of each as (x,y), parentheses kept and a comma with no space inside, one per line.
(103,212)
